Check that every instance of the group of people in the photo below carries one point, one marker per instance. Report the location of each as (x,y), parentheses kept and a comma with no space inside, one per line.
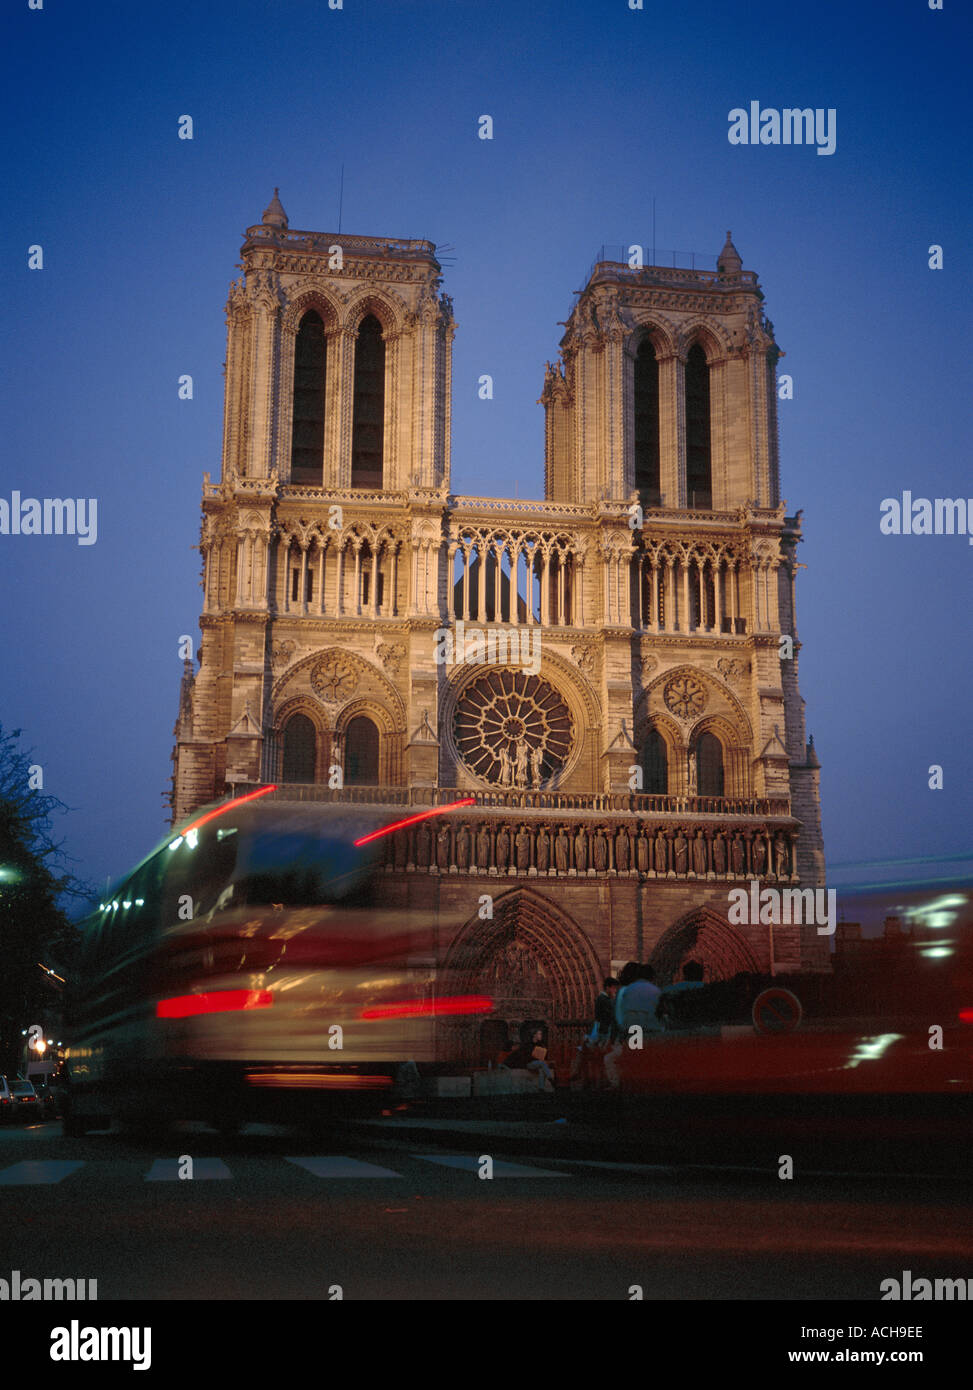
(633,999)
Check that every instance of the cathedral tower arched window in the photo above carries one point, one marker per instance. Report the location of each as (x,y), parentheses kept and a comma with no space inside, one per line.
(699,469)
(709,766)
(300,743)
(655,765)
(361,753)
(646,424)
(310,364)
(368,428)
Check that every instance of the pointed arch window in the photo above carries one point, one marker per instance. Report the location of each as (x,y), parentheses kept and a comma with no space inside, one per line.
(655,765)
(646,424)
(709,766)
(300,746)
(699,466)
(361,753)
(310,367)
(368,427)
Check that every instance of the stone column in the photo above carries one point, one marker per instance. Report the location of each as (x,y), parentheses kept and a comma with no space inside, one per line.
(302,592)
(731,581)
(672,429)
(264,569)
(262,375)
(514,590)
(773,595)
(238,597)
(668,617)
(754,594)
(451,568)
(340,579)
(208,552)
(466,585)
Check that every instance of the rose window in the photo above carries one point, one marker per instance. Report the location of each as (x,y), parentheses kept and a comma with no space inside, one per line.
(685,696)
(512,729)
(334,678)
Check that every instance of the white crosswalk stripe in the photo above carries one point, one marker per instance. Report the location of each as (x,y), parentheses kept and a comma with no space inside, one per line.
(467,1163)
(328,1166)
(338,1167)
(36,1172)
(203,1170)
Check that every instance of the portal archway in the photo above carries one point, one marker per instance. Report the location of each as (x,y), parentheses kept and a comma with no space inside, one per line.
(533,961)
(704,936)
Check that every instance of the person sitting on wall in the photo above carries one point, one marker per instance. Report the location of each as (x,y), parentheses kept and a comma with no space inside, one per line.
(538,1060)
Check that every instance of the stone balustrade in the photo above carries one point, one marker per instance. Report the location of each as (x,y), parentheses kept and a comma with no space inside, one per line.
(525,799)
(507,848)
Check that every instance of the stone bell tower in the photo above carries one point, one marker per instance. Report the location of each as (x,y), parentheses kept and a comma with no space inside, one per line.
(663,404)
(338,361)
(666,389)
(325,527)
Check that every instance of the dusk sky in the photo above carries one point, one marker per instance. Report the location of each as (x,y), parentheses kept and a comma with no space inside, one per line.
(597,111)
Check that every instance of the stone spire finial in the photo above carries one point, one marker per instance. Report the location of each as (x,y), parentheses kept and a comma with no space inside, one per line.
(274,215)
(728,262)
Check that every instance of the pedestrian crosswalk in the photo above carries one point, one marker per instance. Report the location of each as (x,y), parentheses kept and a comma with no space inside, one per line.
(202,1169)
(37,1172)
(497,1167)
(338,1167)
(327,1167)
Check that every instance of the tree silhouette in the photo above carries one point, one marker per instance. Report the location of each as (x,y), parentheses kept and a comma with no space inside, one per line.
(34,929)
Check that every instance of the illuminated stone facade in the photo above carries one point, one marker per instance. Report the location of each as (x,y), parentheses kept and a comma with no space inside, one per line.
(606,671)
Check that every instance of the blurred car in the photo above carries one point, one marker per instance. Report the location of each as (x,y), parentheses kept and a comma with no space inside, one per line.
(868,1065)
(25,1105)
(47,1098)
(7,1101)
(294,989)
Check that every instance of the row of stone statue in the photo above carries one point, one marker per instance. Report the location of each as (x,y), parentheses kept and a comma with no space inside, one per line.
(676,852)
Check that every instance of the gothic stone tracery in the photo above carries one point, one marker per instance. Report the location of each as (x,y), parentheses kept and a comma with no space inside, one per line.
(657,575)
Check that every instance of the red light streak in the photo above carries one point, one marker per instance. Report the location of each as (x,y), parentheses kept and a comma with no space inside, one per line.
(411,820)
(220,1001)
(227,806)
(418,1008)
(966,1015)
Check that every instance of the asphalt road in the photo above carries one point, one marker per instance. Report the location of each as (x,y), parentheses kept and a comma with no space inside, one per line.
(272,1215)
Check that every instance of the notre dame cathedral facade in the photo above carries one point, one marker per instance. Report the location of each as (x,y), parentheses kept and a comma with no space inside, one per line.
(610,673)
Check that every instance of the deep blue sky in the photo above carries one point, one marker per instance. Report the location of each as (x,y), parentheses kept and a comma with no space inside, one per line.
(597,110)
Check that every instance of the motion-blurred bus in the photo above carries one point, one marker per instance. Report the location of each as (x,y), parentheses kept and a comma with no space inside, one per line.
(248,968)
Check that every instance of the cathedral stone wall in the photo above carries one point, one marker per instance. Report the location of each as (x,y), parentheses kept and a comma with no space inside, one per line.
(616,663)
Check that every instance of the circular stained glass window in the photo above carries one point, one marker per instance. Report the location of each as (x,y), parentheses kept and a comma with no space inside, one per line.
(512,729)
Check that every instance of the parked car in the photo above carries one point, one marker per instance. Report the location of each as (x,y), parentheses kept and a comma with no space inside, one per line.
(7,1101)
(47,1097)
(26,1106)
